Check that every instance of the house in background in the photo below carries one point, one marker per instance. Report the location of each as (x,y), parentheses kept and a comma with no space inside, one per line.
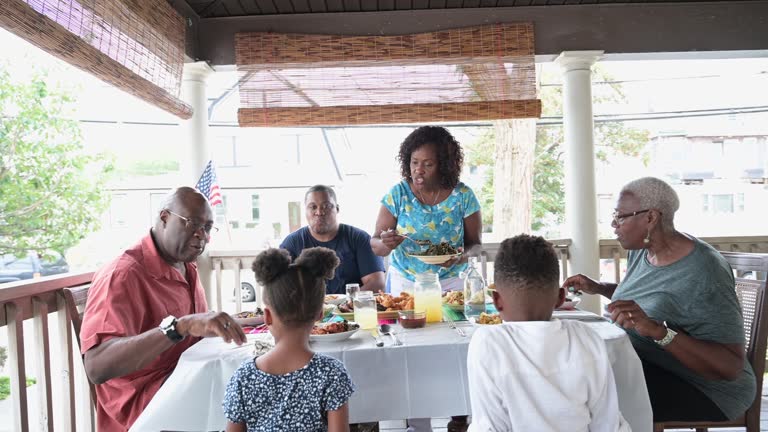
(719,170)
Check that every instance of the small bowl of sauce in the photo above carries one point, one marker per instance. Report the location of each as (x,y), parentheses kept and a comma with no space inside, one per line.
(412,319)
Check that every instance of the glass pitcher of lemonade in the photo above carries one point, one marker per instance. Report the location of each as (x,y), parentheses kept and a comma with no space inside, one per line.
(365,310)
(428,296)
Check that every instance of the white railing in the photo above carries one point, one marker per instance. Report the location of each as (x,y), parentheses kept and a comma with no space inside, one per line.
(610,249)
(236,262)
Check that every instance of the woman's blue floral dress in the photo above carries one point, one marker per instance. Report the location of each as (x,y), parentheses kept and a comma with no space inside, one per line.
(297,401)
(443,222)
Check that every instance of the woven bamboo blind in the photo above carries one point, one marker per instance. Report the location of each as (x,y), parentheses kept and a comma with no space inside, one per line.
(474,73)
(135,45)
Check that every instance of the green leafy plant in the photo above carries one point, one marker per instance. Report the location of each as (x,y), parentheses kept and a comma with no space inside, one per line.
(51,190)
(5,386)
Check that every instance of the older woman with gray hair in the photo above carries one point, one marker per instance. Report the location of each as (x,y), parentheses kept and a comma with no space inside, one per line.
(678,305)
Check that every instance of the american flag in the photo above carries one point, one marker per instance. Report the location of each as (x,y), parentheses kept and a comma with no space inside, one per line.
(209,186)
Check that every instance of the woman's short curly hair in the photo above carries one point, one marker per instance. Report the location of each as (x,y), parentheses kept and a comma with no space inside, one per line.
(450,157)
(654,193)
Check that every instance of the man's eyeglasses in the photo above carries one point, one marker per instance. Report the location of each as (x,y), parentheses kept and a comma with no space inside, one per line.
(619,219)
(326,207)
(193,226)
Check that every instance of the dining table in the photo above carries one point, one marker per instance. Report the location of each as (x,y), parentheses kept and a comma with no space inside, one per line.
(426,376)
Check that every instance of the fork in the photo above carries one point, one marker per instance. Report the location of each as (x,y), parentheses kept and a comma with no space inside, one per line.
(452,324)
(418,242)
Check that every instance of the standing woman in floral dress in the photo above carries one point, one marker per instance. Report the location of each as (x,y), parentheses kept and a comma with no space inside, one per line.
(430,203)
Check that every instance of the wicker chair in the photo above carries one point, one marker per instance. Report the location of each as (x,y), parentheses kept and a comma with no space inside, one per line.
(751,294)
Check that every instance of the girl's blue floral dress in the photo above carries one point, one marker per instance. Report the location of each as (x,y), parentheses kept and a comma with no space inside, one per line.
(297,401)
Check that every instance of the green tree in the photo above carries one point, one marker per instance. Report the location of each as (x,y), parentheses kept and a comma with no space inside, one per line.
(51,191)
(611,138)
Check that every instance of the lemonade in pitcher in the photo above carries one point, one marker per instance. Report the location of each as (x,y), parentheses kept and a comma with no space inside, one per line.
(365,310)
(428,296)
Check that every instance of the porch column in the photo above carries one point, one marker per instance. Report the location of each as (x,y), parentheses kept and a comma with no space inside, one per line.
(195,146)
(195,130)
(580,189)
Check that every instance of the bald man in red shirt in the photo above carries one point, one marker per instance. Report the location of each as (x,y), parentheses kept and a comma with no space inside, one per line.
(145,308)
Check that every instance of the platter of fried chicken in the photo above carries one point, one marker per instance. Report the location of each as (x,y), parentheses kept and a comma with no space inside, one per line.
(387,305)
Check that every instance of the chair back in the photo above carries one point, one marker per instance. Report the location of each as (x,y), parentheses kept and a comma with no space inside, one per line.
(754,310)
(75,299)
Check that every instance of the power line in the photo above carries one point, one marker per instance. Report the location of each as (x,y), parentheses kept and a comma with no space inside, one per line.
(662,115)
(544,121)
(761,73)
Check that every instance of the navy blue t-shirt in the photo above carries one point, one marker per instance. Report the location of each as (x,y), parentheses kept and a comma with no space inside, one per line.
(352,246)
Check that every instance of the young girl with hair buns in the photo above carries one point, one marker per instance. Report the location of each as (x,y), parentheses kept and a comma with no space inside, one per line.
(291,388)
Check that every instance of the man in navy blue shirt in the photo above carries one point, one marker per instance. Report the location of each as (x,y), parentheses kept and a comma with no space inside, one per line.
(352,245)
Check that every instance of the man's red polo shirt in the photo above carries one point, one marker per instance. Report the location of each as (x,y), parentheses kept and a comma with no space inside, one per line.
(130,296)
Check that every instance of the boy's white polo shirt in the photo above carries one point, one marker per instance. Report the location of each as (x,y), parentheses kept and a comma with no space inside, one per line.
(542,376)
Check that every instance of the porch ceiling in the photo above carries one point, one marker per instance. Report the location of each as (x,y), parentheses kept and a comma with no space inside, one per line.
(644,27)
(231,8)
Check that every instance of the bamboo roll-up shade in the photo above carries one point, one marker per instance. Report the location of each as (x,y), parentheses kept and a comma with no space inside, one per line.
(135,45)
(387,114)
(484,44)
(298,80)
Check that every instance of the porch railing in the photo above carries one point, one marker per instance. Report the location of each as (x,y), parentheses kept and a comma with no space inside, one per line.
(610,249)
(63,397)
(234,261)
(237,261)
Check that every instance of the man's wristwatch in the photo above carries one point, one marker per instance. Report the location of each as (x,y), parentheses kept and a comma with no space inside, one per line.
(667,339)
(168,327)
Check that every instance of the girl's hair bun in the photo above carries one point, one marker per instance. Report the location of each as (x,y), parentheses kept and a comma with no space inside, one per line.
(270,264)
(319,262)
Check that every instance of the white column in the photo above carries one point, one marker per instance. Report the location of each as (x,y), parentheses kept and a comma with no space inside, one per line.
(195,130)
(195,146)
(580,189)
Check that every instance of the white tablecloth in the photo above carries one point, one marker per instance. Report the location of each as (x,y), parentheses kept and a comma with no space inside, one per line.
(426,377)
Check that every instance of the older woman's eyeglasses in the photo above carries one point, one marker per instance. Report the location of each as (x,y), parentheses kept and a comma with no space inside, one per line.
(619,219)
(193,226)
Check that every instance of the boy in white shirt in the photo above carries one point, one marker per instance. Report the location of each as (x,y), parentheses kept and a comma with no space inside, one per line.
(532,373)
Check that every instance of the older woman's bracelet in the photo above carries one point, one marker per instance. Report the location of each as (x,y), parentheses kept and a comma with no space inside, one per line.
(667,339)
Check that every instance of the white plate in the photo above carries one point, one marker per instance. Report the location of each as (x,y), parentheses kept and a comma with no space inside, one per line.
(335,337)
(433,259)
(569,305)
(335,299)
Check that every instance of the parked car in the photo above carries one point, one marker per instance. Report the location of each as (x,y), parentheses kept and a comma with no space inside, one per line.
(13,268)
(247,292)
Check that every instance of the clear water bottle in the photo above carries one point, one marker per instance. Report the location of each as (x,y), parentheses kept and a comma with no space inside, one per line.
(474,290)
